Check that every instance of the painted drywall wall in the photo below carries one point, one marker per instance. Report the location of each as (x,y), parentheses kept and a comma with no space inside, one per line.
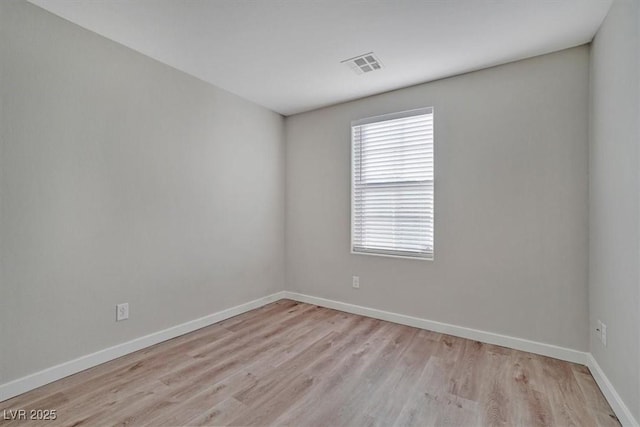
(614,208)
(123,180)
(511,203)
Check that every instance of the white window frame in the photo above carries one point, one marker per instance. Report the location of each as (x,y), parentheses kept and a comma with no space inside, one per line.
(390,253)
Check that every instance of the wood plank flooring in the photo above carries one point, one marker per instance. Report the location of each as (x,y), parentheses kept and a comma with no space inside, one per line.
(294,364)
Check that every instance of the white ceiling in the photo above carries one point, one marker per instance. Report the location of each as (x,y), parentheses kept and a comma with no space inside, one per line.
(285,54)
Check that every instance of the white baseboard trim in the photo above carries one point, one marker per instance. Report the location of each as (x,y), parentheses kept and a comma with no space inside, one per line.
(38,379)
(584,358)
(550,350)
(621,410)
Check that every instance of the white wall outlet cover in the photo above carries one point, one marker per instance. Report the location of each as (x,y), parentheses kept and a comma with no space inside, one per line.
(356,282)
(603,334)
(122,311)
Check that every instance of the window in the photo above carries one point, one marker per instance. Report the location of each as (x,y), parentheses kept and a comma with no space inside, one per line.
(392,185)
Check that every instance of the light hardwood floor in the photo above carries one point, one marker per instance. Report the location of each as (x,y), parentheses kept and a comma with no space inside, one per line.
(295,364)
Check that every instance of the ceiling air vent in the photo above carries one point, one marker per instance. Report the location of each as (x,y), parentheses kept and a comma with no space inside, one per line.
(363,63)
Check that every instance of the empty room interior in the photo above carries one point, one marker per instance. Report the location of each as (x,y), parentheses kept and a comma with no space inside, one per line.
(320,213)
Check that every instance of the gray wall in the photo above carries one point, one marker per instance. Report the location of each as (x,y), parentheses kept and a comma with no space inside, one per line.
(614,209)
(511,203)
(122,179)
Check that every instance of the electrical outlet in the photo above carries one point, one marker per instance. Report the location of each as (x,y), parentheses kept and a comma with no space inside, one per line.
(356,282)
(599,329)
(122,311)
(603,334)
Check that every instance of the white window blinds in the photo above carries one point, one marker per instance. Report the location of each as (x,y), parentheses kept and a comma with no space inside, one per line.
(392,185)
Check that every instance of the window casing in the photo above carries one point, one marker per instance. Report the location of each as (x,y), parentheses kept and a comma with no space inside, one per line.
(392,185)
